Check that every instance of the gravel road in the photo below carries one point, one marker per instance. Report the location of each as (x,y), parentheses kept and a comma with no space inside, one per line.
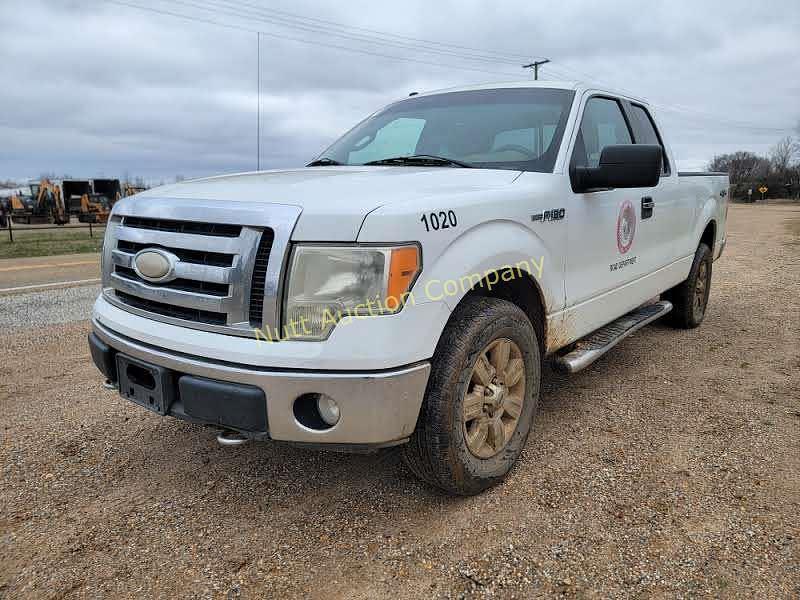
(670,468)
(37,309)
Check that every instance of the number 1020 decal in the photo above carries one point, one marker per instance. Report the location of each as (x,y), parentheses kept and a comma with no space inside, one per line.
(439,220)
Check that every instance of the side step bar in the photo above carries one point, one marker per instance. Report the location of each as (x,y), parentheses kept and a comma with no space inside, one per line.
(593,346)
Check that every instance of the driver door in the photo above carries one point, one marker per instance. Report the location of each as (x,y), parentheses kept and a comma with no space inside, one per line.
(610,245)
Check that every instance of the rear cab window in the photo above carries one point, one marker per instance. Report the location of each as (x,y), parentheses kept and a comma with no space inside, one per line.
(645,132)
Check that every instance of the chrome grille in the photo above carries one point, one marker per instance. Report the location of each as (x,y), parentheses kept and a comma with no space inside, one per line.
(215,229)
(185,285)
(228,270)
(199,257)
(168,310)
(260,279)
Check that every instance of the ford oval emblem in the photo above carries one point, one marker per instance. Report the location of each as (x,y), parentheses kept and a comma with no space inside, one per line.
(155,265)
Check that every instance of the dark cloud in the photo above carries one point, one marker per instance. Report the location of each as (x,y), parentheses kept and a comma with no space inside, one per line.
(94,88)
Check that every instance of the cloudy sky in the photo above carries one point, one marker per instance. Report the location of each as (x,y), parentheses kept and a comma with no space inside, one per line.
(95,87)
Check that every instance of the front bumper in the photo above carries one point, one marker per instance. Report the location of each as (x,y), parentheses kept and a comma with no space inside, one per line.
(378,408)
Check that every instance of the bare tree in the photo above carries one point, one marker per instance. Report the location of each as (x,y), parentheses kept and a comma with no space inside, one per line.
(782,155)
(741,166)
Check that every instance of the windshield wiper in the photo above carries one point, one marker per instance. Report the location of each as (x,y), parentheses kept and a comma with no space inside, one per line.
(324,162)
(420,159)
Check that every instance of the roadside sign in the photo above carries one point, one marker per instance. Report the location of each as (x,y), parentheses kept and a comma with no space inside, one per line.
(763,189)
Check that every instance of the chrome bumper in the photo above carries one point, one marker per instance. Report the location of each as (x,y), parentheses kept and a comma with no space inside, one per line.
(377,408)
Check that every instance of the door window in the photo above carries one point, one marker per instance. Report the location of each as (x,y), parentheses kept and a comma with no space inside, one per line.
(603,125)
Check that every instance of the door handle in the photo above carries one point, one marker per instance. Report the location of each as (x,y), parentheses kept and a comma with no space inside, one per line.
(647,207)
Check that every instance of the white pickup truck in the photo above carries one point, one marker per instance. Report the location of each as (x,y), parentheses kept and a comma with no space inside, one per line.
(406,287)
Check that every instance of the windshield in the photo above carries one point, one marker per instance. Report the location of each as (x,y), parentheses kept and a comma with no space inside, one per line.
(513,128)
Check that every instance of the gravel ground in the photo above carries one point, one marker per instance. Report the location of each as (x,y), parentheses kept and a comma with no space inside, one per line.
(669,469)
(47,308)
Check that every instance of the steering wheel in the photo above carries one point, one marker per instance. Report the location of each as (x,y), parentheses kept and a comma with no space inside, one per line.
(517,148)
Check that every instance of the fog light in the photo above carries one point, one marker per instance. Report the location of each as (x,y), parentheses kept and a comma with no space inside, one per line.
(328,409)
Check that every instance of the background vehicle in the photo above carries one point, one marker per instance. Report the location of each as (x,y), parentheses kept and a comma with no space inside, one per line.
(5,211)
(131,189)
(93,200)
(407,288)
(76,194)
(110,189)
(43,205)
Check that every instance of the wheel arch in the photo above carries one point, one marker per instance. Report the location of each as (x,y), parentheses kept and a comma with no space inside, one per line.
(709,235)
(519,288)
(500,259)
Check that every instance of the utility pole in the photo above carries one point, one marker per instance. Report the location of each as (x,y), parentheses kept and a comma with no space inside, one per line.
(535,66)
(258,118)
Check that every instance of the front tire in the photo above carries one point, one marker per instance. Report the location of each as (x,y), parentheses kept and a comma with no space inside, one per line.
(690,297)
(481,398)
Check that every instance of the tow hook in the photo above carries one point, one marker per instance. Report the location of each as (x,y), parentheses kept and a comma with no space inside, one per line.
(231,438)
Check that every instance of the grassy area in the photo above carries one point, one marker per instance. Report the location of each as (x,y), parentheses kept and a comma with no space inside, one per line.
(50,242)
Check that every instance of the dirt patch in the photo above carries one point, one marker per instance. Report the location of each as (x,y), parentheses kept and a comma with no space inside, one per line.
(793,225)
(671,468)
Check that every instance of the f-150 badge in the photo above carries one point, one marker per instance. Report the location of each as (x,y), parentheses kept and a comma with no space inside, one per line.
(554,214)
(626,226)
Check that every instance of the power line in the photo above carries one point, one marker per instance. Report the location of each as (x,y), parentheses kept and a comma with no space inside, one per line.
(303,40)
(256,13)
(213,6)
(510,56)
(687,111)
(710,118)
(307,24)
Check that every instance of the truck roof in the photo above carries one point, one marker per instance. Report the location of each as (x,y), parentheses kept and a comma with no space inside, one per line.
(577,86)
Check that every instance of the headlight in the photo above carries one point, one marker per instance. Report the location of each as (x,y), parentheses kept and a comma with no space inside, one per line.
(329,283)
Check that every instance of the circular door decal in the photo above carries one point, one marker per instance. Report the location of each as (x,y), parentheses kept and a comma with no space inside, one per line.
(626,226)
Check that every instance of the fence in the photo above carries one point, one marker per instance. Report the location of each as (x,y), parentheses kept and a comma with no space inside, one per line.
(93,228)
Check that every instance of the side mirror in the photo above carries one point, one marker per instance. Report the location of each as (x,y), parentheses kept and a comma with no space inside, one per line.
(624,166)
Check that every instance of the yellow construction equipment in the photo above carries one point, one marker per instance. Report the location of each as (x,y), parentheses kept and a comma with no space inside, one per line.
(131,189)
(96,206)
(110,189)
(44,204)
(74,191)
(91,200)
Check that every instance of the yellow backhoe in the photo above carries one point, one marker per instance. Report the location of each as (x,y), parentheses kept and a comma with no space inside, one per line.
(44,205)
(131,189)
(91,200)
(96,206)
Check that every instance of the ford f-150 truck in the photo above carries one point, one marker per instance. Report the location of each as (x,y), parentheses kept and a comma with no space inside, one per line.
(407,286)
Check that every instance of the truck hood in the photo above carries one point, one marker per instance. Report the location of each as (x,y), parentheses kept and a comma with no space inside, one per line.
(335,200)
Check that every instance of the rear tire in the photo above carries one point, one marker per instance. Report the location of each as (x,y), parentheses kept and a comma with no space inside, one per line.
(690,298)
(469,435)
